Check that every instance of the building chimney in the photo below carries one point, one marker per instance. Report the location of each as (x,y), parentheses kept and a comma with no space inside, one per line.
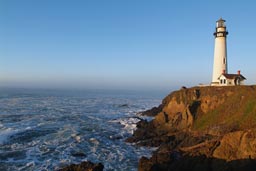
(238,72)
(223,71)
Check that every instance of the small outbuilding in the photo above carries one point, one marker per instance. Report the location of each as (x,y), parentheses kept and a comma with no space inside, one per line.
(231,79)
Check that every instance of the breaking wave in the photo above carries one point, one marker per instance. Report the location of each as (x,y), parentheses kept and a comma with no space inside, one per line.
(47,131)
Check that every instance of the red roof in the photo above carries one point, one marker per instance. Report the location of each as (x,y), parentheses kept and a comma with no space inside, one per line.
(233,76)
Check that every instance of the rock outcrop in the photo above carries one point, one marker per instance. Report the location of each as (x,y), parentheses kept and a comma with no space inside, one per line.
(201,128)
(237,145)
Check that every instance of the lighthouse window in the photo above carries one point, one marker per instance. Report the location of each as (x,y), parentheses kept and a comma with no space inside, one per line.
(220,34)
(220,24)
(224,61)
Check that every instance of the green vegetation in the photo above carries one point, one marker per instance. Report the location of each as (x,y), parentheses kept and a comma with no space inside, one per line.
(206,120)
(250,107)
(235,108)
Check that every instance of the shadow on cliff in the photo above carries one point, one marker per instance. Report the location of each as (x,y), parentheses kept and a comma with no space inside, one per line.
(174,162)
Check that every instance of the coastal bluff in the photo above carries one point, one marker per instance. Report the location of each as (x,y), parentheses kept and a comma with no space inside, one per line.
(201,128)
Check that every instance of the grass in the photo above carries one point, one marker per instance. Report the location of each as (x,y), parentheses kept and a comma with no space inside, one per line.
(249,114)
(206,120)
(238,110)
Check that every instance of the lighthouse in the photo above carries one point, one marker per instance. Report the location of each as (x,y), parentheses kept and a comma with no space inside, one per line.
(220,75)
(220,65)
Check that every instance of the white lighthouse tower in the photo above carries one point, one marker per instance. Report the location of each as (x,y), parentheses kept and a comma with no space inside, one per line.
(220,52)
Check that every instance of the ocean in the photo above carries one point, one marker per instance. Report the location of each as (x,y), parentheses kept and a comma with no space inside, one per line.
(49,129)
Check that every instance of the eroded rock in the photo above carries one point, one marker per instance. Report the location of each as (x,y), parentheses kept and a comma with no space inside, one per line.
(202,128)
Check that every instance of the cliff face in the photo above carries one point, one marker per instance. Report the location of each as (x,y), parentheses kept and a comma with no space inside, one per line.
(202,127)
(209,109)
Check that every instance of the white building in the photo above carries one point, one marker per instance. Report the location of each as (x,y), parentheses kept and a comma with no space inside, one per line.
(231,79)
(220,76)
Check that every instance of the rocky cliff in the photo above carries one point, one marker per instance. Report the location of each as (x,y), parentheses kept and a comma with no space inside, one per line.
(201,128)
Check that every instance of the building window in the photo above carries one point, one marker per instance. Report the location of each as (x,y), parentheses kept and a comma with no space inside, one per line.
(237,81)
(221,81)
(224,81)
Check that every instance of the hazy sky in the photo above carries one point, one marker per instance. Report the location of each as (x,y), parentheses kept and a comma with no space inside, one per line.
(144,44)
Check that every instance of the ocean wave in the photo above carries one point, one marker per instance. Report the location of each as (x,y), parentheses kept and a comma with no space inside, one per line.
(47,132)
(5,133)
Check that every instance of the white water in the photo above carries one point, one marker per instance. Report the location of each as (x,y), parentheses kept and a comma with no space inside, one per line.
(41,130)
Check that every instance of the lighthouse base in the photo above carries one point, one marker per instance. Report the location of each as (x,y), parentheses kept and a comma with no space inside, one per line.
(215,84)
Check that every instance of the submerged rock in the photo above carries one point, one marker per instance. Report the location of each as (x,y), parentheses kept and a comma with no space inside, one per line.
(84,166)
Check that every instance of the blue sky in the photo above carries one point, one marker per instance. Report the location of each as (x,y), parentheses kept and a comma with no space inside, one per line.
(121,44)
